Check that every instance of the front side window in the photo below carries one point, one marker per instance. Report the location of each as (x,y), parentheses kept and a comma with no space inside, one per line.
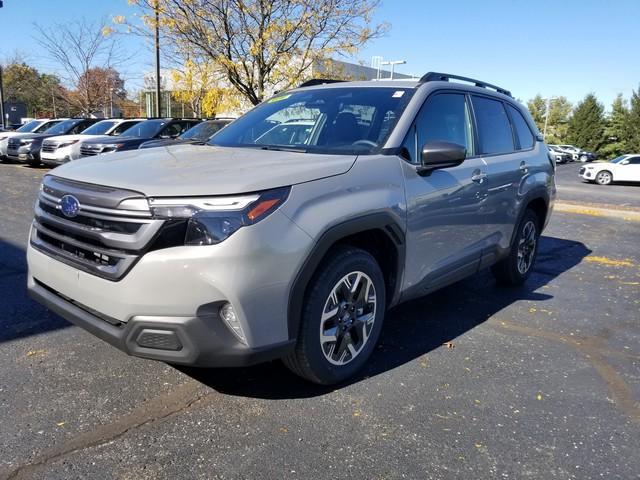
(494,129)
(146,129)
(46,126)
(444,117)
(123,127)
(62,128)
(324,120)
(523,132)
(99,128)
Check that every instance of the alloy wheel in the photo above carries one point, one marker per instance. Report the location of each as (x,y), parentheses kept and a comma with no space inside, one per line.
(527,247)
(347,318)
(604,178)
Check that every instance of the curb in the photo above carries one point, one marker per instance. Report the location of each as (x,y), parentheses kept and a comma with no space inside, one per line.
(610,212)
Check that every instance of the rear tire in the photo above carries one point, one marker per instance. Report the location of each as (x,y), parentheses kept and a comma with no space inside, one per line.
(604,177)
(516,268)
(342,317)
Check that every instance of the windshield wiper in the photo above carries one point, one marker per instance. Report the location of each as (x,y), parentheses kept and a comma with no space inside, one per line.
(283,149)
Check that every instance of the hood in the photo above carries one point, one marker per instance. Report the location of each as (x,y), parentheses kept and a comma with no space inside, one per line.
(108,139)
(185,170)
(77,136)
(6,135)
(165,142)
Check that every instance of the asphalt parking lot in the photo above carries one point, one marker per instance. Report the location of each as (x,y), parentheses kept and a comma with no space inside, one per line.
(474,381)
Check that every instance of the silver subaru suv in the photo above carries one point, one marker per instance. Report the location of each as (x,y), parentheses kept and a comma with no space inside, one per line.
(293,231)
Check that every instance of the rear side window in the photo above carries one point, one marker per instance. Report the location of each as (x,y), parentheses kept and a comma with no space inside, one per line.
(444,117)
(634,161)
(523,132)
(494,128)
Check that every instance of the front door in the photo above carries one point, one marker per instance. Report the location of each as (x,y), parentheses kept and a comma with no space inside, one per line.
(445,223)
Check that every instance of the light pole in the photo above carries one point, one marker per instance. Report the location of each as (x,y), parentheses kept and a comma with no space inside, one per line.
(393,63)
(546,116)
(157,45)
(111,102)
(2,120)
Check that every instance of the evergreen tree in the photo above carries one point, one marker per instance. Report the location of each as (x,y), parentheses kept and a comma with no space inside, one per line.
(616,130)
(633,124)
(586,127)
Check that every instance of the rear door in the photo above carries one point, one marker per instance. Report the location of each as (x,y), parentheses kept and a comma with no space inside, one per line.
(445,221)
(506,158)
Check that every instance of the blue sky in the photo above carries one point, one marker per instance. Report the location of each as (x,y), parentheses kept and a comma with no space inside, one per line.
(561,47)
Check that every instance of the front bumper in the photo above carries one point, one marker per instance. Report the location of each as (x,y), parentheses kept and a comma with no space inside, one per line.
(181,289)
(587,174)
(57,157)
(23,155)
(200,340)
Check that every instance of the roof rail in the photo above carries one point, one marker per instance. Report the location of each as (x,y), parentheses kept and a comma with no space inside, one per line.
(319,81)
(445,77)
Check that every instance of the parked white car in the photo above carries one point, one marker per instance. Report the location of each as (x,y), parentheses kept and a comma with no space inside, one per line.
(34,126)
(61,149)
(625,168)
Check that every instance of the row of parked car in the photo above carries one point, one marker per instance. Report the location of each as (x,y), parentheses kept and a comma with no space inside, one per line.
(569,153)
(57,141)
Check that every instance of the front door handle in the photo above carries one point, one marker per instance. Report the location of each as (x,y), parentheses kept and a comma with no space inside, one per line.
(524,167)
(478,176)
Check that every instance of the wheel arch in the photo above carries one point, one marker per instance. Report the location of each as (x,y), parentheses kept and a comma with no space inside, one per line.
(373,233)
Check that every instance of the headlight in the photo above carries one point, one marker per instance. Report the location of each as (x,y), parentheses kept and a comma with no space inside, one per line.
(27,141)
(211,220)
(67,144)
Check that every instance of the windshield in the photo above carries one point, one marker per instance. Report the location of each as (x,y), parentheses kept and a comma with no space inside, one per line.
(146,129)
(203,130)
(100,128)
(62,127)
(326,120)
(46,126)
(29,126)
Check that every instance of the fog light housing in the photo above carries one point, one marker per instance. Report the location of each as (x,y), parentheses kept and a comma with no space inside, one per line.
(228,315)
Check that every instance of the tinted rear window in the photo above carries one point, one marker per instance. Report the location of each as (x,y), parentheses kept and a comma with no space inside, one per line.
(494,128)
(523,132)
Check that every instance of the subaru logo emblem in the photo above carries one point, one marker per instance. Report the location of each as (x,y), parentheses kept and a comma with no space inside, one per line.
(69,205)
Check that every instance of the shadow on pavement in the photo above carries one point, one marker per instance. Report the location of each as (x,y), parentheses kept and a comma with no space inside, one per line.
(411,329)
(19,315)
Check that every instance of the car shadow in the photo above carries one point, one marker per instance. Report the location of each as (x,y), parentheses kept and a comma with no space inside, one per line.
(411,329)
(19,315)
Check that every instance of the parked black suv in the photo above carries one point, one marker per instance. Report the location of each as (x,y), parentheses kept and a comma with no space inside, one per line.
(131,139)
(195,135)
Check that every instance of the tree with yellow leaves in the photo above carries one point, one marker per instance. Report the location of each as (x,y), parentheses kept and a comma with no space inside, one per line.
(198,85)
(265,45)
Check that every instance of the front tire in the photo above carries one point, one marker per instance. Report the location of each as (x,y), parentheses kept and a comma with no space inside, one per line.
(604,177)
(342,317)
(516,268)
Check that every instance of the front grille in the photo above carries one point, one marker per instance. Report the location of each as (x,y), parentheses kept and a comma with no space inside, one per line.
(13,143)
(582,170)
(104,238)
(90,150)
(49,147)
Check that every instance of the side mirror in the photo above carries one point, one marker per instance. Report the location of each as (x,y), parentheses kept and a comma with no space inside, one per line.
(436,155)
(624,162)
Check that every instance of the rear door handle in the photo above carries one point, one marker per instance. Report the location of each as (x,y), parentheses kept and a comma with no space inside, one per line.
(478,176)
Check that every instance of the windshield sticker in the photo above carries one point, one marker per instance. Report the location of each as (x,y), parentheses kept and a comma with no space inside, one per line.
(277,99)
(398,93)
